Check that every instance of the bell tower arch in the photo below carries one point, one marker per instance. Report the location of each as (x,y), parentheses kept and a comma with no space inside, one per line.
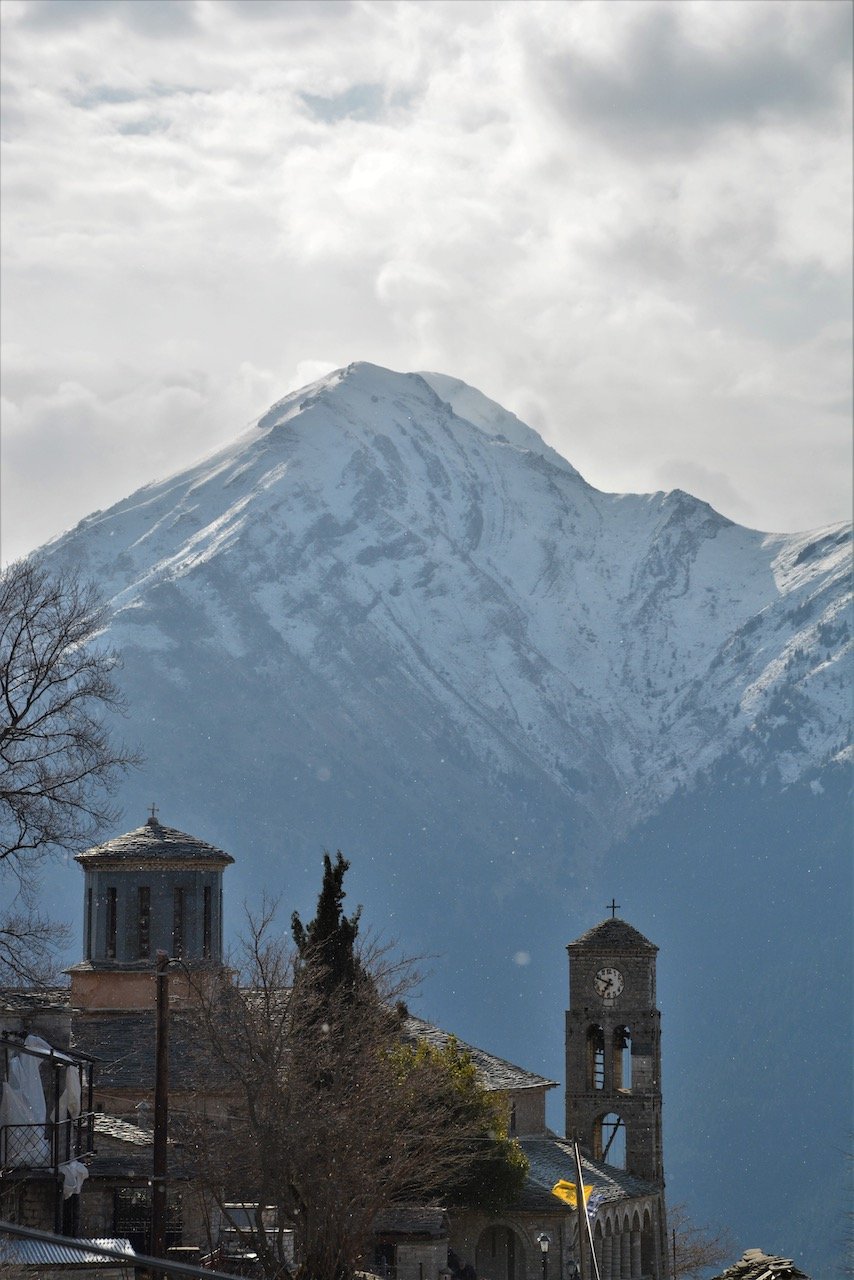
(613,1049)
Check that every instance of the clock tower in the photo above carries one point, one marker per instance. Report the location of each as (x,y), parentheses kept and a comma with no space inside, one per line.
(613,1049)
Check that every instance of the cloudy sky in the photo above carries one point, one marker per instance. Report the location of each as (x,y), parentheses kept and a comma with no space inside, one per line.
(628,222)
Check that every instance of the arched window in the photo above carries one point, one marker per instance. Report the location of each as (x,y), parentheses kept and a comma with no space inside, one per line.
(609,1140)
(622,1058)
(595,1058)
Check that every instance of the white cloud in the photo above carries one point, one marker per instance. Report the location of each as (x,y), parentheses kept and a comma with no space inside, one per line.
(629,222)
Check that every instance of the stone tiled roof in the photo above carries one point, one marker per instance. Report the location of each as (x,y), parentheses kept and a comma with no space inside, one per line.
(756,1265)
(551,1160)
(122,1130)
(612,935)
(29,1000)
(412,1221)
(155,842)
(124,1044)
(494,1073)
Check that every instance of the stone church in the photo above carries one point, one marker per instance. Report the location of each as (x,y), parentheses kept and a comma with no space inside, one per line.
(157,888)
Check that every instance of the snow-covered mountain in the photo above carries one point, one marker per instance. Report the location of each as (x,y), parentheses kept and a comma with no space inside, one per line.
(388,617)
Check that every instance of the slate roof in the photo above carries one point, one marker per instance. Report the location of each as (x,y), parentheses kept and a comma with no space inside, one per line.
(154,841)
(410,1220)
(493,1073)
(612,935)
(551,1159)
(122,1130)
(756,1265)
(28,1000)
(123,1043)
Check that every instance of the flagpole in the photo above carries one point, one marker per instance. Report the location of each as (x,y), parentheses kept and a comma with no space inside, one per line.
(581,1210)
(584,1229)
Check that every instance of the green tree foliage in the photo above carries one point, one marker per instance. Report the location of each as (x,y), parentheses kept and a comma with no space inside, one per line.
(332,1118)
(327,946)
(490,1167)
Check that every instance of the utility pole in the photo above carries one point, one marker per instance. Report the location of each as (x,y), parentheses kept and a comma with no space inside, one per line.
(161,1109)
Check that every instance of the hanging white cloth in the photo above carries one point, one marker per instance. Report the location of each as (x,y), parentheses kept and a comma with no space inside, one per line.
(23,1109)
(74,1174)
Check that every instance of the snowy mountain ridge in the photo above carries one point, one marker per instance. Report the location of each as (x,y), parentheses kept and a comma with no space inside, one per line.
(617,643)
(387,618)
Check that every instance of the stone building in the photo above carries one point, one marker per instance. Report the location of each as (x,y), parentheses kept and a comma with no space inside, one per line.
(157,888)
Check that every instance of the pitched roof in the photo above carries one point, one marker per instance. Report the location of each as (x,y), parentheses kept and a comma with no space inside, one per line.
(123,1043)
(612,935)
(155,842)
(551,1159)
(107,1126)
(27,1000)
(493,1073)
(756,1265)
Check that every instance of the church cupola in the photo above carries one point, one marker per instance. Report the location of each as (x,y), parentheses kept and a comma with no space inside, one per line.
(153,889)
(613,1049)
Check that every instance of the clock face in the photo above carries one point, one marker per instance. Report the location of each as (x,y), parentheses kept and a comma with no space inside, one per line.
(608,982)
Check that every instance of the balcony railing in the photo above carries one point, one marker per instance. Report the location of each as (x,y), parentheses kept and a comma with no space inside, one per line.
(46,1112)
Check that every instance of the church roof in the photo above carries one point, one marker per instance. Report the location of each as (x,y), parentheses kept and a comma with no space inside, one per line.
(612,935)
(494,1073)
(551,1160)
(122,1042)
(154,842)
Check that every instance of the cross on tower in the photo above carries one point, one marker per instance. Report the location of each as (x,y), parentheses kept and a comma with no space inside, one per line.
(613,907)
(154,811)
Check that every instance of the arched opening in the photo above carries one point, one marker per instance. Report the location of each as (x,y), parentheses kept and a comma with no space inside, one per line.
(609,1140)
(500,1254)
(605,1268)
(622,1058)
(599,1247)
(635,1269)
(647,1246)
(595,1058)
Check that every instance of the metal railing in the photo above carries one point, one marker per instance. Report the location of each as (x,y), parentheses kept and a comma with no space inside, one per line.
(39,1080)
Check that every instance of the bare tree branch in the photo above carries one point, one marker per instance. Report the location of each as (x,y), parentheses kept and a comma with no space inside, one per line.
(58,762)
(329,1120)
(696,1248)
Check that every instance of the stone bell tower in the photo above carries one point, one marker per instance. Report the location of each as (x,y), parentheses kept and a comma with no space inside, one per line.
(613,1049)
(152,889)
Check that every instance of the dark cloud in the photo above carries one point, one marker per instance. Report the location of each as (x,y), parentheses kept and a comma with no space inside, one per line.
(292,11)
(146,17)
(669,88)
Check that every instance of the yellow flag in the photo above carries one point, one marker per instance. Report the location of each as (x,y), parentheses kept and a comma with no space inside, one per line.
(566,1192)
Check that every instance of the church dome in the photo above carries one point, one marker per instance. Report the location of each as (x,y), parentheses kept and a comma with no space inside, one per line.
(612,935)
(154,843)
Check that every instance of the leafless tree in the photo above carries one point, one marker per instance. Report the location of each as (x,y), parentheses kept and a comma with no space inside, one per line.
(58,761)
(29,943)
(696,1249)
(328,1122)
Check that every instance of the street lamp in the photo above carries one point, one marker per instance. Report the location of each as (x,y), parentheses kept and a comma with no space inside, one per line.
(544,1240)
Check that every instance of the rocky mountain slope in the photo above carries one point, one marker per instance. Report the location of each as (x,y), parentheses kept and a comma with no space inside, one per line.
(389,618)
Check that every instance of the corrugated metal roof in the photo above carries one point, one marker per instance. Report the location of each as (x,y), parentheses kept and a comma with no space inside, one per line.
(34,1253)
